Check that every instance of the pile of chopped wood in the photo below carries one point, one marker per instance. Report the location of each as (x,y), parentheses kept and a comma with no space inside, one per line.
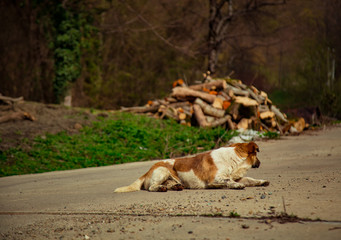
(215,103)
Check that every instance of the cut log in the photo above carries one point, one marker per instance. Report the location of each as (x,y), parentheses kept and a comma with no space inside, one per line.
(184,92)
(199,116)
(143,109)
(263,94)
(168,112)
(236,91)
(210,119)
(17,116)
(247,102)
(254,96)
(234,110)
(263,108)
(278,113)
(230,124)
(208,109)
(218,103)
(171,100)
(267,114)
(238,84)
(182,116)
(244,123)
(221,84)
(220,121)
(299,125)
(254,89)
(179,104)
(188,109)
(224,95)
(10,100)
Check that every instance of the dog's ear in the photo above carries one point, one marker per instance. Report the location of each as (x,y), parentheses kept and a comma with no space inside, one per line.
(252,147)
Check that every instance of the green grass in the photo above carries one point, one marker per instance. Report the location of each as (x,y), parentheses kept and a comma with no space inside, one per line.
(234,214)
(126,138)
(270,135)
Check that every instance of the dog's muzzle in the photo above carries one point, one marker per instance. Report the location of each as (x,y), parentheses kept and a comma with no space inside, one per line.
(256,164)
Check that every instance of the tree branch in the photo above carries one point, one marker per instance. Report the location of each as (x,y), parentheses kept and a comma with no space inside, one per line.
(181,49)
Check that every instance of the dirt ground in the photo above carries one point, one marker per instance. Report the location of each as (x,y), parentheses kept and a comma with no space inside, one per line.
(50,118)
(302,201)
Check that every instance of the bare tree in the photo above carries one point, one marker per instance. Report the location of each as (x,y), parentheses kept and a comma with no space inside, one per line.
(222,14)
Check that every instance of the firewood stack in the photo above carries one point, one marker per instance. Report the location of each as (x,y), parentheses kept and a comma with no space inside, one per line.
(215,103)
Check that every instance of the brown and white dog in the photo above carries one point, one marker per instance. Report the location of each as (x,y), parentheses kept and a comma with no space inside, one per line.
(220,168)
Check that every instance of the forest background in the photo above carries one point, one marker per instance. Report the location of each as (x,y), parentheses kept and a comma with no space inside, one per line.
(108,54)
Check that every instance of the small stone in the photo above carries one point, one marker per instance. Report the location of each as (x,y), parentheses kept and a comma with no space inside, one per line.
(244,226)
(263,196)
(86,237)
(190,232)
(223,197)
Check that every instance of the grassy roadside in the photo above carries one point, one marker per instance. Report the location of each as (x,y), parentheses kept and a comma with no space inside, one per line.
(124,138)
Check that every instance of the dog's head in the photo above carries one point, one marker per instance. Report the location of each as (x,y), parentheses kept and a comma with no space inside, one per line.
(248,151)
(252,149)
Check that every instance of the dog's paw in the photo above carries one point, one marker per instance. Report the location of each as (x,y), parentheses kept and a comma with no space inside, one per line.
(235,185)
(162,189)
(265,183)
(240,186)
(177,187)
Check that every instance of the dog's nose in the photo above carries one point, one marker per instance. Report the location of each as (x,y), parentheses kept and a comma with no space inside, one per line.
(256,164)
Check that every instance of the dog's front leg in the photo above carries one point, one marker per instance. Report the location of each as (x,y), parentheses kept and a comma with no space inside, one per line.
(250,182)
(225,183)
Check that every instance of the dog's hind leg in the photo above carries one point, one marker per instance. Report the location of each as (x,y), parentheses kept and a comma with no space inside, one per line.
(250,182)
(173,185)
(157,180)
(174,182)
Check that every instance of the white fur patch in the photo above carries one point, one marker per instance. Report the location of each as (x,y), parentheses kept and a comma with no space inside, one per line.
(190,180)
(227,161)
(170,161)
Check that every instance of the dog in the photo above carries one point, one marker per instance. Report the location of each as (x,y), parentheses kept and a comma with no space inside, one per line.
(220,168)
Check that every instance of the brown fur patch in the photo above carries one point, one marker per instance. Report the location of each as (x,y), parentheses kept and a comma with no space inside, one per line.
(246,150)
(161,164)
(201,164)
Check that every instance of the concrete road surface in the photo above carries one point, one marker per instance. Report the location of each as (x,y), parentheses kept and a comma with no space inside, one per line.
(304,173)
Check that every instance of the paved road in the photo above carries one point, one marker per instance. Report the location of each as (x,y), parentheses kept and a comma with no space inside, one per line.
(304,173)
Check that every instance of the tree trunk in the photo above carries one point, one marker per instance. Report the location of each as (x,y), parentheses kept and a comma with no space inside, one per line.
(218,24)
(213,56)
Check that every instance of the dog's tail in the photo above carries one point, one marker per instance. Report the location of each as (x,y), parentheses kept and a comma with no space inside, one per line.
(135,186)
